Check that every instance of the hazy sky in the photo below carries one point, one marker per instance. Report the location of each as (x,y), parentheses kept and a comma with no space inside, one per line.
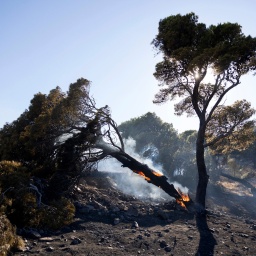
(54,42)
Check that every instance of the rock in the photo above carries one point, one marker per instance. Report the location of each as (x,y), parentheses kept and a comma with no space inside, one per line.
(147,234)
(139,237)
(232,239)
(76,241)
(46,239)
(244,235)
(162,243)
(49,249)
(135,224)
(168,248)
(160,234)
(125,208)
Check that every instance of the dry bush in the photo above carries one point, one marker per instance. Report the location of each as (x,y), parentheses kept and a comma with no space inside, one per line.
(8,238)
(59,214)
(19,202)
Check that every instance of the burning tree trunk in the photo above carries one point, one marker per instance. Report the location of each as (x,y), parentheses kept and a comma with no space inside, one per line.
(152,177)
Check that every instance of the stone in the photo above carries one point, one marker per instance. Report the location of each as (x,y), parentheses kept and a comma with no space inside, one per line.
(49,249)
(162,243)
(46,239)
(76,241)
(139,237)
(135,224)
(168,248)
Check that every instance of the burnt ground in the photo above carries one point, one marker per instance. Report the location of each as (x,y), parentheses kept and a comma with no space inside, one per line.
(108,222)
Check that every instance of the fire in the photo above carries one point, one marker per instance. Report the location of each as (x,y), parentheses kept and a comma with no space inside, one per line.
(158,174)
(184,198)
(143,175)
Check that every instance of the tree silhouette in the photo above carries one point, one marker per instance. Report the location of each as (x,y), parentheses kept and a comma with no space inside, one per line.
(200,66)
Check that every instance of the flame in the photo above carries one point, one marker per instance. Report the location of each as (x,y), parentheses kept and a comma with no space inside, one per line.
(184,198)
(158,174)
(142,174)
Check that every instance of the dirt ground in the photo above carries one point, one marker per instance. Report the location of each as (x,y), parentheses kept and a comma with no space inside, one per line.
(109,222)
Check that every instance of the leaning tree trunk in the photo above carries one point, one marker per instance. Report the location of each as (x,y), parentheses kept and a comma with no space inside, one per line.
(152,177)
(203,177)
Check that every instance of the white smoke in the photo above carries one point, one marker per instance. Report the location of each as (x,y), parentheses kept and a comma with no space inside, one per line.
(131,183)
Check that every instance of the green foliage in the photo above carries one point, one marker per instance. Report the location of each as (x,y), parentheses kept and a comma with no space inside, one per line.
(189,45)
(44,151)
(152,134)
(191,50)
(31,139)
(233,124)
(13,174)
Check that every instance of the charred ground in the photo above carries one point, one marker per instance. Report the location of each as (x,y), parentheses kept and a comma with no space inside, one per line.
(109,222)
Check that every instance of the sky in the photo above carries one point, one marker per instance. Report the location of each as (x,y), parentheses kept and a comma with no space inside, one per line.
(48,43)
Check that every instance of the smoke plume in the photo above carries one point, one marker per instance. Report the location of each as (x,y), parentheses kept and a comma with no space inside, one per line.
(131,183)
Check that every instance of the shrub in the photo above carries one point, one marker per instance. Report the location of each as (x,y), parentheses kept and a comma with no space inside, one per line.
(8,238)
(19,201)
(59,214)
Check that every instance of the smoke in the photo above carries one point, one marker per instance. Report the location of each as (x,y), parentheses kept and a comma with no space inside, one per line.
(131,183)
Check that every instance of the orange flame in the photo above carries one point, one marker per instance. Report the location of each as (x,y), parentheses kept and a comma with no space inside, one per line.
(142,174)
(184,198)
(157,173)
(147,178)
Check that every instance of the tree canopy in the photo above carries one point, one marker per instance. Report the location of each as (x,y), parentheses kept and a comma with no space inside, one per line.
(154,138)
(200,66)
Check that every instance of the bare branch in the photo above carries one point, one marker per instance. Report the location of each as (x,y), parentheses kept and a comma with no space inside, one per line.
(3,194)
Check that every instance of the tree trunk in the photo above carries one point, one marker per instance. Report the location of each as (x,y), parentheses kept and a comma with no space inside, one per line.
(202,173)
(151,176)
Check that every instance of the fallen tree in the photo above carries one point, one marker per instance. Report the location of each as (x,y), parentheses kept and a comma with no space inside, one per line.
(63,135)
(99,149)
(152,177)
